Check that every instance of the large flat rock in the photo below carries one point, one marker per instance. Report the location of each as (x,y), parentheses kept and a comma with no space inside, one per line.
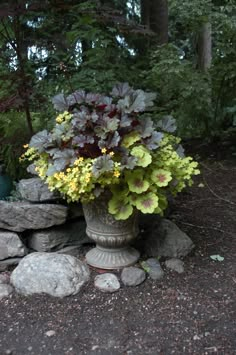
(35,190)
(52,239)
(10,245)
(58,275)
(20,216)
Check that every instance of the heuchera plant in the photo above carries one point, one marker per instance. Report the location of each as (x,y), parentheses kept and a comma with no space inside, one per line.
(110,142)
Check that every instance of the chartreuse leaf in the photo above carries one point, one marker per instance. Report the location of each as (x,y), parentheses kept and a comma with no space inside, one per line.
(119,208)
(136,182)
(147,203)
(130,138)
(143,156)
(161,177)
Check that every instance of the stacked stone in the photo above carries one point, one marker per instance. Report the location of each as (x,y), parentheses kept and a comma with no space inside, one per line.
(39,222)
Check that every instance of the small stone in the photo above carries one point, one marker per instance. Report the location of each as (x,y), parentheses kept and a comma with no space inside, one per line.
(175,265)
(107,282)
(132,276)
(5,290)
(196,337)
(153,268)
(50,333)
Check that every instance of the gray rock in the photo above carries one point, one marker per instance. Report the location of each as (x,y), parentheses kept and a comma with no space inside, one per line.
(107,283)
(52,239)
(5,264)
(58,275)
(153,268)
(35,190)
(132,276)
(175,265)
(5,290)
(11,245)
(20,216)
(161,237)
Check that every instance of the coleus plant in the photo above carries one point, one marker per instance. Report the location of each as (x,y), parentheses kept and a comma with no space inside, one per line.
(110,142)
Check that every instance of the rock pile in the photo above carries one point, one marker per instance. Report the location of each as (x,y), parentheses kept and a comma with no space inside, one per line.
(39,222)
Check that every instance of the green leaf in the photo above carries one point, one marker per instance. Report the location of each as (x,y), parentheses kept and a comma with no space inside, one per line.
(161,177)
(119,209)
(136,182)
(143,156)
(147,203)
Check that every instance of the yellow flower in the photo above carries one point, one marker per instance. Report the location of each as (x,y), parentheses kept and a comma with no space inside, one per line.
(104,150)
(26,146)
(87,177)
(116,173)
(68,170)
(59,119)
(111,154)
(78,161)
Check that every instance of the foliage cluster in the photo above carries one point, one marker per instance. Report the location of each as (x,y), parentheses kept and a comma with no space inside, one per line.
(110,142)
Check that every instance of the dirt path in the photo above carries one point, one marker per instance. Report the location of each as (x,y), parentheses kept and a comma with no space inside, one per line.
(191,313)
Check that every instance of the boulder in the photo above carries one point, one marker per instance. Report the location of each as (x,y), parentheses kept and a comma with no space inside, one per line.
(52,239)
(58,275)
(20,216)
(35,190)
(161,237)
(10,245)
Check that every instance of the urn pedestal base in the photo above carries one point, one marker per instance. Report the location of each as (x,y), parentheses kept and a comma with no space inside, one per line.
(103,258)
(112,237)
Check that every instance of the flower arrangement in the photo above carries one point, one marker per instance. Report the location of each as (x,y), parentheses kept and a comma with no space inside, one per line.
(110,142)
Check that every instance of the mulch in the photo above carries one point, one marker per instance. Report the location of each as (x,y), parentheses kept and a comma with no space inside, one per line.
(190,313)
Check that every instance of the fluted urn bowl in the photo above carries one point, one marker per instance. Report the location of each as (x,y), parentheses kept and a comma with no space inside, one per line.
(112,237)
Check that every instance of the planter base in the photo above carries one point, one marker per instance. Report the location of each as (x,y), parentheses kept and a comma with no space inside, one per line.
(103,258)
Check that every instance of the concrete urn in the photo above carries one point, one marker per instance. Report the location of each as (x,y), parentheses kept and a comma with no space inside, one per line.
(112,237)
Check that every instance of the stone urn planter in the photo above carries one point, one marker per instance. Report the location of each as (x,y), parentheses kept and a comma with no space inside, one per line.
(112,237)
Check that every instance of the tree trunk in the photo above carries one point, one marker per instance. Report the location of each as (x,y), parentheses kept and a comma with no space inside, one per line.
(159,19)
(204,47)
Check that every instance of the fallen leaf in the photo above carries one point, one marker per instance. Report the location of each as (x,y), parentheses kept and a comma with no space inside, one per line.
(217,257)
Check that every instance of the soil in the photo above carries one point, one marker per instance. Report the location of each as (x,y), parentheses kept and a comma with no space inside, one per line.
(190,313)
